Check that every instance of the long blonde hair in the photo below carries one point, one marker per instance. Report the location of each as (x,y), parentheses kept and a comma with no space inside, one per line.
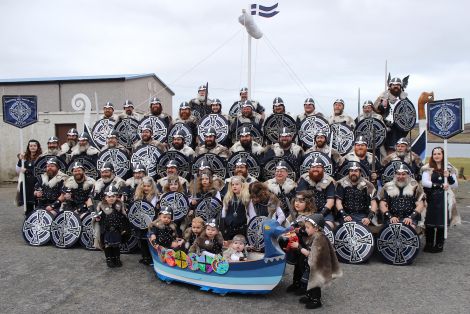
(244,196)
(139,191)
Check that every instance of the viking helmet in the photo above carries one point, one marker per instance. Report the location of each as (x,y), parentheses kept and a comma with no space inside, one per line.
(185,105)
(72,131)
(317,220)
(155,101)
(107,166)
(111,190)
(109,105)
(53,139)
(128,103)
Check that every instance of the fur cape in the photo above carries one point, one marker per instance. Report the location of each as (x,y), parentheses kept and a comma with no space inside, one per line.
(131,182)
(353,157)
(64,148)
(279,152)
(274,187)
(361,184)
(72,184)
(256,148)
(118,146)
(186,150)
(157,144)
(191,119)
(157,223)
(324,266)
(164,181)
(60,176)
(303,115)
(90,151)
(324,182)
(335,155)
(394,156)
(219,149)
(413,188)
(342,119)
(116,181)
(200,243)
(124,115)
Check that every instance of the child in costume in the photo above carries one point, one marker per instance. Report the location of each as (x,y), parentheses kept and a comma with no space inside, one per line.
(321,264)
(210,242)
(163,230)
(191,233)
(235,208)
(236,252)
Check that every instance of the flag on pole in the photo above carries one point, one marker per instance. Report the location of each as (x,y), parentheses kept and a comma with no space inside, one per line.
(263,11)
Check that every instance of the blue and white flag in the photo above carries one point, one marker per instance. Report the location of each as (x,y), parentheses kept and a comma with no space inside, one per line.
(261,10)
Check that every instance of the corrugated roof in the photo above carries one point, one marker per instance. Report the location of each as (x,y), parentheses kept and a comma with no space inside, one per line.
(91,78)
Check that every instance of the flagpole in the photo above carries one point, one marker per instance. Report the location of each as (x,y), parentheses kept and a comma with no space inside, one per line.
(22,174)
(445,192)
(249,67)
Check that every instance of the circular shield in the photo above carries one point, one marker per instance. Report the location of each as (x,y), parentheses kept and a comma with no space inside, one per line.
(192,261)
(205,263)
(141,214)
(366,128)
(234,110)
(404,115)
(208,208)
(159,127)
(389,170)
(183,163)
(255,133)
(100,131)
(354,243)
(329,234)
(216,163)
(328,164)
(129,246)
(37,227)
(310,126)
(86,237)
(275,122)
(128,131)
(270,169)
(343,137)
(90,167)
(253,166)
(216,121)
(41,163)
(170,257)
(119,158)
(181,259)
(254,232)
(178,202)
(147,155)
(180,126)
(66,229)
(398,244)
(365,173)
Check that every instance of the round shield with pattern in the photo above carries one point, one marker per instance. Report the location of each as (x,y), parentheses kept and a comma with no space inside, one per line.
(310,157)
(254,168)
(159,127)
(178,202)
(274,124)
(329,234)
(182,160)
(90,167)
(235,109)
(342,137)
(129,246)
(100,131)
(141,214)
(128,131)
(86,237)
(216,163)
(41,163)
(119,158)
(404,115)
(270,169)
(37,227)
(220,265)
(255,133)
(366,128)
(205,263)
(208,208)
(354,243)
(180,126)
(147,155)
(192,261)
(344,170)
(66,229)
(389,170)
(254,233)
(216,121)
(181,259)
(310,126)
(398,244)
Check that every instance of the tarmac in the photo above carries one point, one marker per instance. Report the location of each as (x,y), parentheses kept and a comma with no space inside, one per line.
(51,280)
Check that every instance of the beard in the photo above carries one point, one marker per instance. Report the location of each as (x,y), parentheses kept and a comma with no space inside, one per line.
(83,148)
(200,98)
(137,181)
(185,115)
(79,177)
(52,151)
(156,111)
(320,144)
(146,138)
(401,154)
(246,145)
(178,146)
(71,143)
(401,184)
(316,176)
(51,173)
(395,91)
(210,144)
(108,179)
(353,178)
(285,144)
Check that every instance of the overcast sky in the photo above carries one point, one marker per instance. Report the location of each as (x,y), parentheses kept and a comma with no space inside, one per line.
(333,47)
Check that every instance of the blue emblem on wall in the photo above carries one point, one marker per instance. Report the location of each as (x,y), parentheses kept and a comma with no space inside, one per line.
(445,117)
(20,111)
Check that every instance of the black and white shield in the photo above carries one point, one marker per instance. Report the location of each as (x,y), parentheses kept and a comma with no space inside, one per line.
(86,237)
(274,124)
(208,208)
(270,169)
(178,202)
(183,163)
(389,170)
(308,159)
(254,168)
(216,121)
(344,170)
(216,163)
(342,137)
(329,234)
(180,126)
(37,227)
(234,110)
(128,131)
(310,126)
(354,243)
(255,133)
(159,127)
(90,167)
(147,155)
(100,131)
(141,214)
(398,244)
(404,115)
(41,163)
(66,229)
(129,246)
(366,128)
(119,158)
(254,233)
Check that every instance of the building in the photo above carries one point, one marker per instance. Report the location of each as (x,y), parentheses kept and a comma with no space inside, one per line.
(61,103)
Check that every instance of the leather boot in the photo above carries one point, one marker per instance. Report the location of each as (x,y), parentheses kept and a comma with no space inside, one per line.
(429,235)
(117,256)
(439,240)
(293,287)
(314,298)
(109,256)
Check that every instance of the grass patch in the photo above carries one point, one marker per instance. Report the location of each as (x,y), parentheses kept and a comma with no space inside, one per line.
(461,163)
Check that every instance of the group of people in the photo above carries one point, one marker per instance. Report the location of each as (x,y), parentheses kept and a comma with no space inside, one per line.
(309,203)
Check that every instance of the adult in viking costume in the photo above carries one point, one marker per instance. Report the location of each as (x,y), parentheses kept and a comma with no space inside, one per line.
(139,172)
(278,106)
(77,192)
(241,170)
(368,112)
(107,178)
(156,110)
(282,186)
(356,198)
(246,144)
(247,114)
(434,186)
(113,142)
(84,149)
(108,112)
(309,110)
(72,139)
(200,105)
(244,97)
(265,203)
(128,112)
(179,144)
(146,138)
(365,158)
(339,116)
(53,148)
(211,146)
(404,154)
(49,186)
(321,145)
(33,151)
(172,170)
(185,116)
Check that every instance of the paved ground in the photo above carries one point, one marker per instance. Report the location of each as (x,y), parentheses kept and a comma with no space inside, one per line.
(46,279)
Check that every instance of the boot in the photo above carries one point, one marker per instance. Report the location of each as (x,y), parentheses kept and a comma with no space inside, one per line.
(301,290)
(439,240)
(429,235)
(293,287)
(313,298)
(117,257)
(108,254)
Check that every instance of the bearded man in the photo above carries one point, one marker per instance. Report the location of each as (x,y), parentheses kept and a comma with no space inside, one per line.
(286,149)
(365,158)
(211,146)
(339,116)
(77,191)
(107,178)
(156,110)
(72,139)
(84,149)
(246,144)
(138,172)
(404,154)
(321,145)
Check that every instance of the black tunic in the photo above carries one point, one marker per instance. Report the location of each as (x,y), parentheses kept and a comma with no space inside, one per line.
(235,221)
(435,200)
(30,181)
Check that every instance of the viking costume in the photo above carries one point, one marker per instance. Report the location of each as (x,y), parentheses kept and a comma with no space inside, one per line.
(365,161)
(234,218)
(189,237)
(356,198)
(161,146)
(342,118)
(201,104)
(414,162)
(294,155)
(161,183)
(301,117)
(322,190)
(363,116)
(165,234)
(163,116)
(255,148)
(218,149)
(186,150)
(101,185)
(30,182)
(336,157)
(204,245)
(89,152)
(51,189)
(284,192)
(124,115)
(268,208)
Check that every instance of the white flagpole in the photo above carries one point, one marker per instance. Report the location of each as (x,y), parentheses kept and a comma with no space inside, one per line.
(22,175)
(249,67)
(445,192)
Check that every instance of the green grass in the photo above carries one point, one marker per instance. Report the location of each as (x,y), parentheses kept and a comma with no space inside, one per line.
(459,163)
